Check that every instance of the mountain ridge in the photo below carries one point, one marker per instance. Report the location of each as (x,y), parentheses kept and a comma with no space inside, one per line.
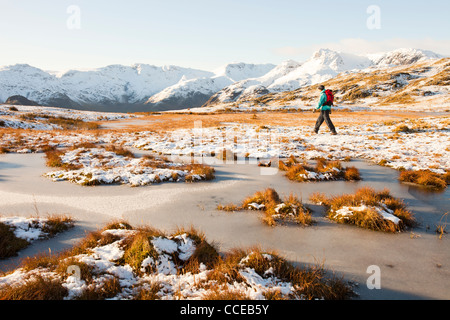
(143,87)
(420,86)
(324,65)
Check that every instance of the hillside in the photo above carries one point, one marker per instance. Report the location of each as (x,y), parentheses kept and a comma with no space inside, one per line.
(424,85)
(323,66)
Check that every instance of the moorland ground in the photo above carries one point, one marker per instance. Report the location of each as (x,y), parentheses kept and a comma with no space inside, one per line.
(414,263)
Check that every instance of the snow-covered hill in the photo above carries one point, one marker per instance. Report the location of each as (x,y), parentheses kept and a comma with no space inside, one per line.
(324,65)
(111,86)
(195,92)
(402,57)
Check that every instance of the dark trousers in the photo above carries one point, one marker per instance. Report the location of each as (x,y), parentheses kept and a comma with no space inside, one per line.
(324,116)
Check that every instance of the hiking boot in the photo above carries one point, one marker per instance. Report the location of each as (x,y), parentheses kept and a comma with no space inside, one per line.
(334,133)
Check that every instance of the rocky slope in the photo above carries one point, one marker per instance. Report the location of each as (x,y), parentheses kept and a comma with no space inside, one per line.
(420,86)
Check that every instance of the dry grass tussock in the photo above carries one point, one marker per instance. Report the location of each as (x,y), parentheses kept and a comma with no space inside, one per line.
(363,209)
(323,170)
(35,288)
(194,169)
(275,209)
(311,283)
(199,169)
(222,275)
(404,129)
(10,244)
(426,178)
(53,160)
(120,151)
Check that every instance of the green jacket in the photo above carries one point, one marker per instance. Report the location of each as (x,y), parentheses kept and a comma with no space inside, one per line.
(323,99)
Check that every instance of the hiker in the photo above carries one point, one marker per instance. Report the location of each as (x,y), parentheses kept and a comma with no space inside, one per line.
(325,103)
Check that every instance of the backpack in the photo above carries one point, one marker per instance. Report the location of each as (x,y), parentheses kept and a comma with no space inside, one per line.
(330,98)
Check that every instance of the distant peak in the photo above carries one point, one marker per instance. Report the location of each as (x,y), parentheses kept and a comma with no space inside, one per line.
(20,66)
(327,57)
(290,63)
(325,52)
(230,66)
(237,71)
(170,68)
(403,56)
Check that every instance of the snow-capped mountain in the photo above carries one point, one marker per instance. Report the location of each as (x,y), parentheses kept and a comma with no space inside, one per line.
(139,87)
(195,92)
(107,88)
(143,87)
(402,57)
(325,64)
(240,71)
(254,86)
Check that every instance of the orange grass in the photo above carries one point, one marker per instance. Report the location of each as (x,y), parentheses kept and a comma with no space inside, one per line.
(426,178)
(297,171)
(274,208)
(10,244)
(309,283)
(205,171)
(166,122)
(369,218)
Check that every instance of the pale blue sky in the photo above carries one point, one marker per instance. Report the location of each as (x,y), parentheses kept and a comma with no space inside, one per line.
(207,34)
